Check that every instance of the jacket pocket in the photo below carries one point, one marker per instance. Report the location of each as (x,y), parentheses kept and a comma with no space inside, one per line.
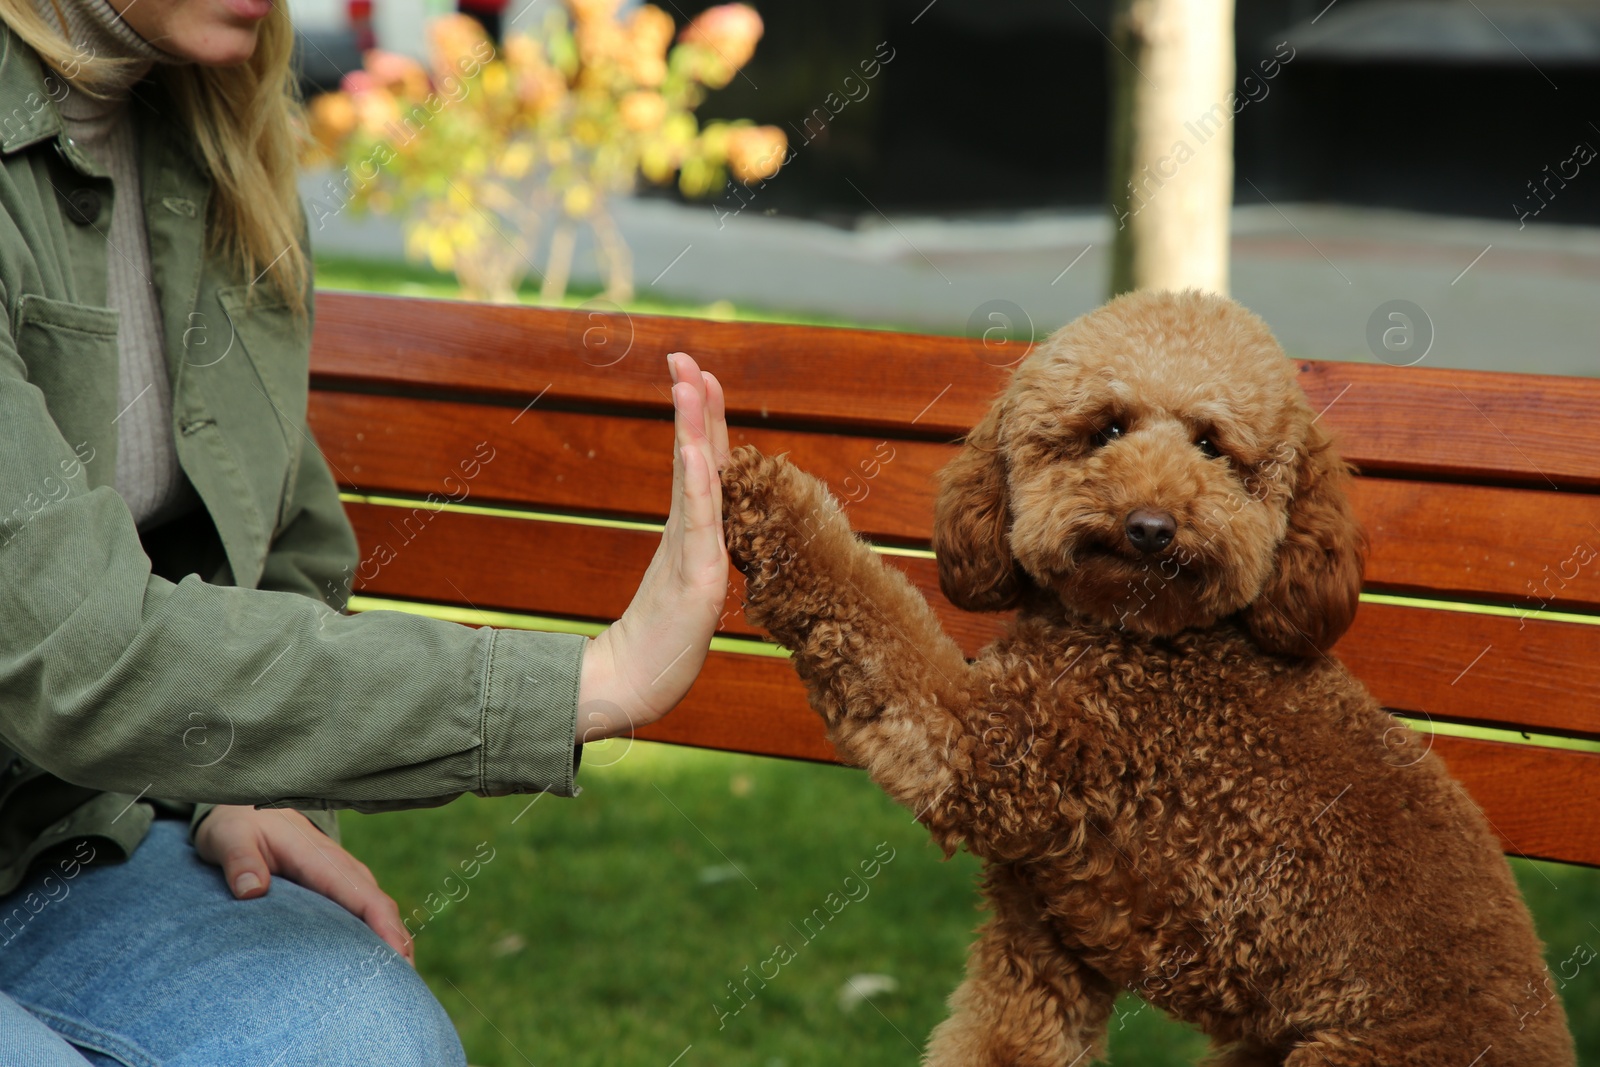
(70,352)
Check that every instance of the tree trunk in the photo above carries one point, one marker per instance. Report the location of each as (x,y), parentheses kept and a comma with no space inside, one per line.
(558,264)
(1171,175)
(614,252)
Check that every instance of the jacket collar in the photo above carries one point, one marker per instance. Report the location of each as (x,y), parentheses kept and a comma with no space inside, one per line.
(32,90)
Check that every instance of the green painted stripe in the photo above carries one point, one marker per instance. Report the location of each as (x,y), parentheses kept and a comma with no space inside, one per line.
(1471,608)
(410,503)
(909,553)
(1490,733)
(556,516)
(479,617)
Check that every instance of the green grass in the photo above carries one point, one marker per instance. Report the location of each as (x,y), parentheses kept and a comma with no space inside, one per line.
(407,279)
(640,900)
(605,929)
(1565,902)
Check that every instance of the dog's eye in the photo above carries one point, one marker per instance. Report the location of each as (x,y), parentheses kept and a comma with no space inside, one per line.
(1110,432)
(1208,448)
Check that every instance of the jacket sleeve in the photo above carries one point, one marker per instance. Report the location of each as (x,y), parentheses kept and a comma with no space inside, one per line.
(117,679)
(314,555)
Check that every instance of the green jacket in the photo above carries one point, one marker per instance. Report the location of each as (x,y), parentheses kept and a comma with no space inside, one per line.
(209,661)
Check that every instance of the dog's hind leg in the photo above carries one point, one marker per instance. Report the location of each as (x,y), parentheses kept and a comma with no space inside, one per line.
(891,685)
(1027,1001)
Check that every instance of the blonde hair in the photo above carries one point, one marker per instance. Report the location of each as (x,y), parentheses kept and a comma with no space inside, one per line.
(243,119)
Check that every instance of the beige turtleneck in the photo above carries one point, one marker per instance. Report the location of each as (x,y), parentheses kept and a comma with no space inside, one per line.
(148,476)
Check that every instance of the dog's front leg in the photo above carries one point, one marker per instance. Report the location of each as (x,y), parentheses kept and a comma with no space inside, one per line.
(894,690)
(1027,1001)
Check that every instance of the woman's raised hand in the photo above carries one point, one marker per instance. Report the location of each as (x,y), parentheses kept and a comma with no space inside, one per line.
(639,668)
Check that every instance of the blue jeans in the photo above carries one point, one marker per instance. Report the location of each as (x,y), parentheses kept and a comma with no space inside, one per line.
(153,962)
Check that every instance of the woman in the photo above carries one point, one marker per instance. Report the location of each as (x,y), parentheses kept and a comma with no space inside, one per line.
(173,555)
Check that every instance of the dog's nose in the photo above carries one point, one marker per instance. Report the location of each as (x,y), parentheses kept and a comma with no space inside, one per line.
(1150,530)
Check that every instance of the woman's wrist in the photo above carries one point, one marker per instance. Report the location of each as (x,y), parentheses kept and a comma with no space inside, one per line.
(590,675)
(600,713)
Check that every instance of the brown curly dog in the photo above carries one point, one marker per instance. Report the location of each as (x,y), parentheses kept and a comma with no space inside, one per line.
(1174,788)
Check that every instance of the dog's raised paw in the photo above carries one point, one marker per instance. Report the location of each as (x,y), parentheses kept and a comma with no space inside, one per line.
(747,487)
(771,510)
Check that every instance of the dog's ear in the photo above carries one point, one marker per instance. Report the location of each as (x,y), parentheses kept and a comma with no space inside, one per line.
(1310,598)
(971,519)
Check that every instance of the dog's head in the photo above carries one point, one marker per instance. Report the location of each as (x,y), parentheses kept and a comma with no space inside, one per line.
(1155,466)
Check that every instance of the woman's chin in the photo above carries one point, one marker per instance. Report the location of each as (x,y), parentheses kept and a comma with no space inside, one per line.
(227,45)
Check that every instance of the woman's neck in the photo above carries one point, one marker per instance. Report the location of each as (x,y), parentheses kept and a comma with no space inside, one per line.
(99,32)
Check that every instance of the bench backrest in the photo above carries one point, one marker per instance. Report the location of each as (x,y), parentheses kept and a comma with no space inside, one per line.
(1480,492)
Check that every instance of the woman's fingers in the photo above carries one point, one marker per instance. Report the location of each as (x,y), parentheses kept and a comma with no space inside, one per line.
(697,416)
(350,885)
(716,419)
(702,548)
(689,412)
(700,413)
(717,425)
(237,848)
(324,867)
(699,504)
(251,845)
(681,436)
(686,411)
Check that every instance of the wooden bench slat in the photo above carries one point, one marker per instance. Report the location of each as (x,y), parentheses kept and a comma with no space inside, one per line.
(1536,430)
(596,463)
(1531,674)
(748,704)
(1532,548)
(1439,423)
(1540,801)
(1524,674)
(836,377)
(553,568)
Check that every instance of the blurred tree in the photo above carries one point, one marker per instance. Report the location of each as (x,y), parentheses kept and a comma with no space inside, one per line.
(1171,156)
(484,149)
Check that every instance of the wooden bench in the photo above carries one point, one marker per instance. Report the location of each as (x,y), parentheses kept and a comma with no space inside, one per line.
(1481,493)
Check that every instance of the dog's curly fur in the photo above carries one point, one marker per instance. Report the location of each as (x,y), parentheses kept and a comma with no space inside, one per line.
(1174,788)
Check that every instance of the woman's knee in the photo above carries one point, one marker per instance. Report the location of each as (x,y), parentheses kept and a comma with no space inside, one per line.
(163,957)
(342,996)
(390,1017)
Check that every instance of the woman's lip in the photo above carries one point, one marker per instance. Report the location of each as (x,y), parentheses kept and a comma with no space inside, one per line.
(249,9)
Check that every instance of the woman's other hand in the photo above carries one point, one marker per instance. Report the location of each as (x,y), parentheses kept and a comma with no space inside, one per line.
(639,668)
(251,845)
